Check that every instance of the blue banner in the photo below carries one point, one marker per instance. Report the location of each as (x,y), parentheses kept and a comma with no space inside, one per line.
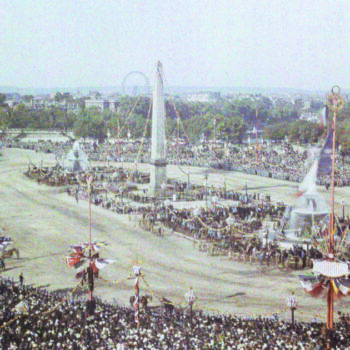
(325,162)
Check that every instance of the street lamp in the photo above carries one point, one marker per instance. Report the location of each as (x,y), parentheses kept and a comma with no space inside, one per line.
(246,194)
(267,236)
(206,188)
(190,299)
(343,206)
(163,188)
(224,187)
(292,304)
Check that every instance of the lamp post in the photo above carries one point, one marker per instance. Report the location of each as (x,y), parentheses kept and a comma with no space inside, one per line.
(118,135)
(343,206)
(214,132)
(267,236)
(163,188)
(224,187)
(255,130)
(292,304)
(190,299)
(206,189)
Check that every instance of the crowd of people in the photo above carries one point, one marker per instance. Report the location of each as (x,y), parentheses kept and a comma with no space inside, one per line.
(285,162)
(235,231)
(232,230)
(35,318)
(288,163)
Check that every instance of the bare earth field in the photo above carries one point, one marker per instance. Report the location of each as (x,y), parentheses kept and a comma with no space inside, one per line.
(43,222)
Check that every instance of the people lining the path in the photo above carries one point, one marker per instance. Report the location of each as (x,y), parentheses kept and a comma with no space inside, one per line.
(284,162)
(233,229)
(35,318)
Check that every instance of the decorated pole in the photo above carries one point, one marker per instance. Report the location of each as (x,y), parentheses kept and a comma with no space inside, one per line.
(118,138)
(178,135)
(256,134)
(90,272)
(329,275)
(137,273)
(335,103)
(214,132)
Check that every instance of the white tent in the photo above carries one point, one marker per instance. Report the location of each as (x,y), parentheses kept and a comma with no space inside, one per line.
(76,159)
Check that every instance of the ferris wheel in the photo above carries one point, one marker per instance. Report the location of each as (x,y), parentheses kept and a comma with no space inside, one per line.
(136,83)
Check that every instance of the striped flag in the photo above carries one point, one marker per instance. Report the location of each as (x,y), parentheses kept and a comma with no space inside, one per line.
(325,163)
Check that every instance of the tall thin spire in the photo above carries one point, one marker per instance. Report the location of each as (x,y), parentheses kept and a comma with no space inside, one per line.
(158,154)
(158,117)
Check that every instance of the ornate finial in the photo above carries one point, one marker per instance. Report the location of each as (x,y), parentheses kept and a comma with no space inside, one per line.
(89,180)
(334,100)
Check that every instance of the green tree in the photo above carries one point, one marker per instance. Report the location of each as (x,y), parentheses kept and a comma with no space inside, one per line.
(18,117)
(232,129)
(90,124)
(343,132)
(4,119)
(59,97)
(3,98)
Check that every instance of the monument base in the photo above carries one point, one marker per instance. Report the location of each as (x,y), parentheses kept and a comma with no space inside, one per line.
(158,179)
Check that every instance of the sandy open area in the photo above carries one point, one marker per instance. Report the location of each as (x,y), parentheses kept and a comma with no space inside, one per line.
(43,222)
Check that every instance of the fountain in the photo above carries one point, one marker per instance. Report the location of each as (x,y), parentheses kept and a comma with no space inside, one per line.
(310,209)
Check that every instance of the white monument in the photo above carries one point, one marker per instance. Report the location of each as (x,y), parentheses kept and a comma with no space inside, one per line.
(76,159)
(158,154)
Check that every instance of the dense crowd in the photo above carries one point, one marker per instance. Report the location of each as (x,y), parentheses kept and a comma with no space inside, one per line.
(219,230)
(102,175)
(35,318)
(48,320)
(288,163)
(285,162)
(233,231)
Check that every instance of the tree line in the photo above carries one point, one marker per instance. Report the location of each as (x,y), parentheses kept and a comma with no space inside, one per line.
(226,119)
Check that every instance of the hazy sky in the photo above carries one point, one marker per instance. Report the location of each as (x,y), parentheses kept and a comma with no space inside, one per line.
(258,43)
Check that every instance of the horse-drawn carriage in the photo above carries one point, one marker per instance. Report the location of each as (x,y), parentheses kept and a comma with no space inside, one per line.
(5,251)
(150,223)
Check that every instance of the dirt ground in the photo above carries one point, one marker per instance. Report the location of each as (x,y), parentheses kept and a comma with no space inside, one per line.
(43,222)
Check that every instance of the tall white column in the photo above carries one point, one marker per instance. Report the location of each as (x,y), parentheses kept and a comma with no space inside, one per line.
(158,154)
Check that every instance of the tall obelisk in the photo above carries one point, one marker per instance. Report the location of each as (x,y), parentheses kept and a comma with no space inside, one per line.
(158,154)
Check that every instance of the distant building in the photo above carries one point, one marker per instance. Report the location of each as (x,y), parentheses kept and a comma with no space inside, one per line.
(253,135)
(11,103)
(102,104)
(204,97)
(310,117)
